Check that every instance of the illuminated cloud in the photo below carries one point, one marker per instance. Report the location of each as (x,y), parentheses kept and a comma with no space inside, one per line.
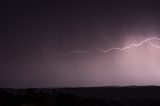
(136,64)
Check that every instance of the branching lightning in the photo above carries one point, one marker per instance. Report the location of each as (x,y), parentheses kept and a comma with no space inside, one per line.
(149,40)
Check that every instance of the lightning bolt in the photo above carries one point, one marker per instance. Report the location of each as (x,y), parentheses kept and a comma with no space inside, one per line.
(149,40)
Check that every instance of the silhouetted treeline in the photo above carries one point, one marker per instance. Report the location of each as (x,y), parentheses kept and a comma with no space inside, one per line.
(65,97)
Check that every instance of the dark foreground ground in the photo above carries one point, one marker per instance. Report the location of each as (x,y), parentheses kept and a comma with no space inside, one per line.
(93,96)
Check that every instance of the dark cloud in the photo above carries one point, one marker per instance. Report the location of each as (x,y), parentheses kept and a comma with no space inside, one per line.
(31,33)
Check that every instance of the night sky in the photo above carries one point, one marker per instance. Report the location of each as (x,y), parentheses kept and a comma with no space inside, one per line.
(34,34)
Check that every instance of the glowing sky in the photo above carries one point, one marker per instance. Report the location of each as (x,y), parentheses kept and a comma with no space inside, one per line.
(136,64)
(80,43)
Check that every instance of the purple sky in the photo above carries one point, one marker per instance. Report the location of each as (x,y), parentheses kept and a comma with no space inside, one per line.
(33,33)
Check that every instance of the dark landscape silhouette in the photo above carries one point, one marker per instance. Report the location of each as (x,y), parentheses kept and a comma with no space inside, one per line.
(82,96)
